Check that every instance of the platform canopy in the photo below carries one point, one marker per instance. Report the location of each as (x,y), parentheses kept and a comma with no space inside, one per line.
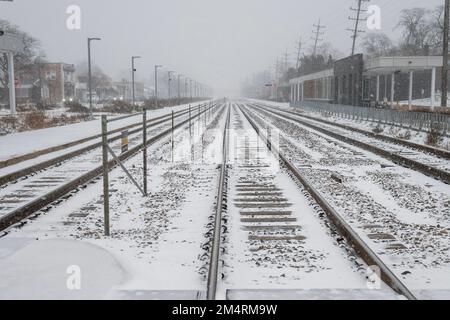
(392,65)
(387,65)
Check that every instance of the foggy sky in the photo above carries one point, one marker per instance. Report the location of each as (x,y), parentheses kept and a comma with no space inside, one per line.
(217,42)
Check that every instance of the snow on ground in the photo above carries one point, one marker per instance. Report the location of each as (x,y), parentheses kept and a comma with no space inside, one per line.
(315,262)
(408,211)
(17,144)
(156,241)
(418,137)
(425,102)
(32,269)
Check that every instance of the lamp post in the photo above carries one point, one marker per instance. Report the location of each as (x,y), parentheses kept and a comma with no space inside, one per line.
(186,87)
(156,85)
(133,70)
(170,80)
(190,87)
(179,92)
(90,72)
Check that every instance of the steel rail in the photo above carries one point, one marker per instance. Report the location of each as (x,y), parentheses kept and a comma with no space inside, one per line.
(365,252)
(436,173)
(424,148)
(51,162)
(215,248)
(37,204)
(38,153)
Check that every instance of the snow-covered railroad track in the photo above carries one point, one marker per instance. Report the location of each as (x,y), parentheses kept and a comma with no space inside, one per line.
(23,198)
(419,161)
(14,173)
(400,213)
(414,147)
(273,242)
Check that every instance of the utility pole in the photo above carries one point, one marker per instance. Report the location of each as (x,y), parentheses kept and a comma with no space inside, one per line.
(186,87)
(170,80)
(357,20)
(445,55)
(299,49)
(286,60)
(179,92)
(156,85)
(89,72)
(317,33)
(133,70)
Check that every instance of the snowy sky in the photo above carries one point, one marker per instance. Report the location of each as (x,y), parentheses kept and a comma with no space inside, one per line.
(218,42)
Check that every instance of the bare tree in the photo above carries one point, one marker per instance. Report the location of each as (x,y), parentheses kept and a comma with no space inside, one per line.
(99,78)
(435,35)
(378,44)
(416,31)
(23,61)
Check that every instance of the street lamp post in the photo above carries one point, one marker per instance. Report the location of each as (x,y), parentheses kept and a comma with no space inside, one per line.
(190,87)
(156,85)
(170,80)
(90,72)
(186,87)
(133,70)
(179,92)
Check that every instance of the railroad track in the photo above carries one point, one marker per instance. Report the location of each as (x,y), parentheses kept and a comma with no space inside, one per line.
(434,167)
(24,198)
(267,215)
(440,153)
(23,172)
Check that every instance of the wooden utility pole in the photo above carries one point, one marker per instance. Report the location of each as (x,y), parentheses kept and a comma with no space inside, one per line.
(299,50)
(445,55)
(286,60)
(317,33)
(357,20)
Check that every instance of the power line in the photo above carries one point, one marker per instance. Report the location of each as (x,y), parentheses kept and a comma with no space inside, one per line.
(317,33)
(357,20)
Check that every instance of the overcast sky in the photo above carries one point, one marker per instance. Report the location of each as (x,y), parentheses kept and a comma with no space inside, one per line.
(217,42)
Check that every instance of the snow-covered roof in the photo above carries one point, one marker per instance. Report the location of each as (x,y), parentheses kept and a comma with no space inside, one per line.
(317,75)
(392,64)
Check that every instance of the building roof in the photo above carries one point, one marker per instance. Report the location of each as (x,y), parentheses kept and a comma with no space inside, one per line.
(317,75)
(383,65)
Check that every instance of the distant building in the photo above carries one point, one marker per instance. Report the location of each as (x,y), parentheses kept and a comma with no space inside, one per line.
(59,82)
(49,83)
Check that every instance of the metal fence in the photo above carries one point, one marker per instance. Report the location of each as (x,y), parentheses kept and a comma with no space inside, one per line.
(421,121)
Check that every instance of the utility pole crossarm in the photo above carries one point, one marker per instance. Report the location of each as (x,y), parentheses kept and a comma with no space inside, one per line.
(358,18)
(299,49)
(317,33)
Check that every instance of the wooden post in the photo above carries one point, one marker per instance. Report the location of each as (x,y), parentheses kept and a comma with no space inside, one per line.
(190,133)
(173,142)
(105,175)
(144,136)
